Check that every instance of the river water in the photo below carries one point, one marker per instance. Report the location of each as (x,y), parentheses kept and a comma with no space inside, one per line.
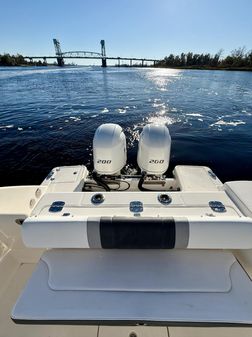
(48,117)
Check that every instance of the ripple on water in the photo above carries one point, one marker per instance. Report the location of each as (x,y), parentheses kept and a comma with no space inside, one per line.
(10,126)
(75,119)
(121,110)
(229,123)
(161,120)
(194,115)
(105,110)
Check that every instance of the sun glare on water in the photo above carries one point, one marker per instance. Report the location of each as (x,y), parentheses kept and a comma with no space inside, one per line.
(162,77)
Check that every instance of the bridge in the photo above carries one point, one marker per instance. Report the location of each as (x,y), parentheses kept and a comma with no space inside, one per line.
(61,56)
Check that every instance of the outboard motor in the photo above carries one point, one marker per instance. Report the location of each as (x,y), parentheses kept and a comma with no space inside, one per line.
(109,149)
(154,148)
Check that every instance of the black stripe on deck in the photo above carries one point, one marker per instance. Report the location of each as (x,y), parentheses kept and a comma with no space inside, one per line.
(137,233)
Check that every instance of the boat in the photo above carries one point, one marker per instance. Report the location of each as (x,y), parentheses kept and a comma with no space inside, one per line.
(106,253)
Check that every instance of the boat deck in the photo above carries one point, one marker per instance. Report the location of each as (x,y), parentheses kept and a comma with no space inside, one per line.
(17,262)
(21,272)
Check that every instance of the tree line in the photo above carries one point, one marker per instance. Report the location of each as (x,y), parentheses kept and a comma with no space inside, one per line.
(238,58)
(17,60)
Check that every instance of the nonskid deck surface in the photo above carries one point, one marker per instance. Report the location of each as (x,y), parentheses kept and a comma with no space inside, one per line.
(9,329)
(14,275)
(57,291)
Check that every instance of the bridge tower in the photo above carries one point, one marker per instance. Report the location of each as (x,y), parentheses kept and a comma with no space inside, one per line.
(58,52)
(103,54)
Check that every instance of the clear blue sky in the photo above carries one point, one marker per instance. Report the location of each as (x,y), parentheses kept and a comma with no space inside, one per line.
(140,28)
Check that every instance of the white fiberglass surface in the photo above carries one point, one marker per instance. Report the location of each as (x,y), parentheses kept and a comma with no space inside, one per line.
(40,302)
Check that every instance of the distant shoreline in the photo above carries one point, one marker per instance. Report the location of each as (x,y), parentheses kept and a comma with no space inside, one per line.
(28,65)
(209,68)
(126,66)
(238,60)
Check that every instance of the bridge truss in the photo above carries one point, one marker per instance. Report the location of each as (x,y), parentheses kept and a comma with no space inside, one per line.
(80,53)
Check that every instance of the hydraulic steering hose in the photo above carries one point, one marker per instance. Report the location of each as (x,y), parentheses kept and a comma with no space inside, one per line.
(141,181)
(100,182)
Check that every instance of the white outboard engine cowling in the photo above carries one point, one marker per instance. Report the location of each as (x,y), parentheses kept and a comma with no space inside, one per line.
(154,148)
(109,149)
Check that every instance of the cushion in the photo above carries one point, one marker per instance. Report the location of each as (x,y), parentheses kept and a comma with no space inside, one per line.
(189,296)
(240,192)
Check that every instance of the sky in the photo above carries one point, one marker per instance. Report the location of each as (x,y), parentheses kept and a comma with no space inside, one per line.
(131,28)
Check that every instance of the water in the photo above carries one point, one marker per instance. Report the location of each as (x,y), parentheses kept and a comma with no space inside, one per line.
(48,117)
